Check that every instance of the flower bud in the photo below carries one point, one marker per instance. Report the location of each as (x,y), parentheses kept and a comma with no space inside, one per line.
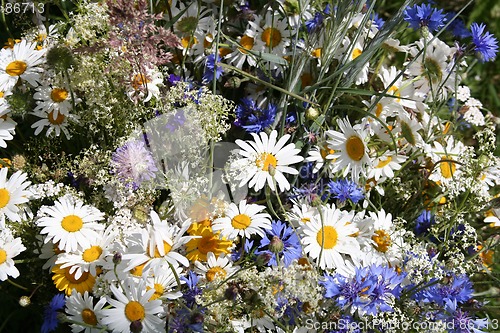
(117,258)
(231,292)
(263,259)
(60,58)
(276,245)
(312,113)
(24,301)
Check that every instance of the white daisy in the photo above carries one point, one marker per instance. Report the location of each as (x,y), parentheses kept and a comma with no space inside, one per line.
(53,98)
(407,129)
(243,53)
(4,105)
(402,90)
(243,220)
(155,245)
(56,124)
(7,130)
(265,161)
(9,248)
(302,213)
(215,268)
(81,309)
(12,193)
(351,150)
(384,166)
(70,223)
(492,217)
(163,281)
(329,238)
(271,34)
(21,61)
(322,155)
(89,258)
(430,68)
(132,306)
(145,86)
(443,157)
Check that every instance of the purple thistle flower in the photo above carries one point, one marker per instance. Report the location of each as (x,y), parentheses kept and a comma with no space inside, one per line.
(281,241)
(485,44)
(424,15)
(133,163)
(345,189)
(50,320)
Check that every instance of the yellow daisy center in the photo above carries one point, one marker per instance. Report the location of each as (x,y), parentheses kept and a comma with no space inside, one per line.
(246,43)
(316,53)
(92,254)
(395,91)
(137,270)
(207,41)
(4,197)
(16,68)
(271,36)
(382,239)
(159,290)
(241,221)
(215,272)
(447,168)
(72,223)
(166,247)
(356,53)
(1,94)
(59,95)
(3,256)
(327,236)
(265,160)
(134,311)
(89,317)
(56,120)
(355,148)
(383,163)
(325,151)
(188,41)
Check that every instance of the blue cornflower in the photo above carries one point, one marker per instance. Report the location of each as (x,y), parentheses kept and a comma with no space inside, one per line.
(457,288)
(424,15)
(315,23)
(485,44)
(173,79)
(252,118)
(377,20)
(50,320)
(349,292)
(193,290)
(423,222)
(388,287)
(211,69)
(344,189)
(247,248)
(282,243)
(459,321)
(457,26)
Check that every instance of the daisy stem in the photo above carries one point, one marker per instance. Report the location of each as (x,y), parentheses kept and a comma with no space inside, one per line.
(73,103)
(17,285)
(269,203)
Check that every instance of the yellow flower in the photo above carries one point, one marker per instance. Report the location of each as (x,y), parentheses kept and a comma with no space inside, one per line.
(209,241)
(66,281)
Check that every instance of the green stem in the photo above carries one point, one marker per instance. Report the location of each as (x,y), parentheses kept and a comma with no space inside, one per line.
(17,285)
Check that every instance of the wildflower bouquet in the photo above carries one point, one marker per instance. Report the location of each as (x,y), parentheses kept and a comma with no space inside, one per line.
(234,166)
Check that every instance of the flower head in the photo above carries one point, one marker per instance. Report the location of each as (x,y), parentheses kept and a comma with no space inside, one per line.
(282,244)
(345,189)
(253,118)
(211,69)
(133,163)
(50,320)
(424,15)
(485,44)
